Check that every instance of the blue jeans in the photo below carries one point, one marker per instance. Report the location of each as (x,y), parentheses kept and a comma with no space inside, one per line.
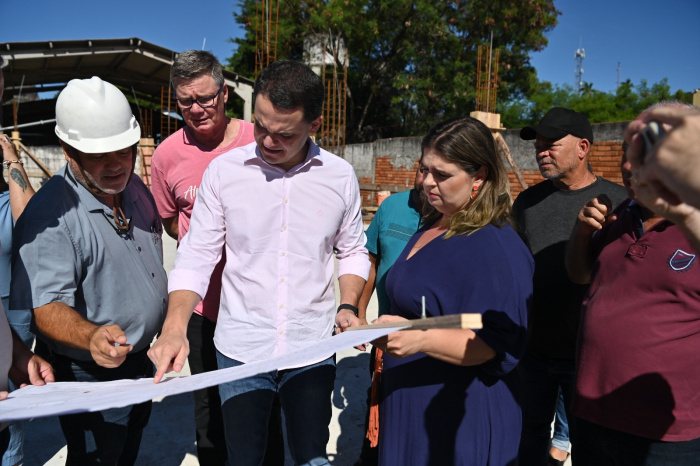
(305,396)
(542,380)
(109,437)
(19,321)
(599,446)
(560,437)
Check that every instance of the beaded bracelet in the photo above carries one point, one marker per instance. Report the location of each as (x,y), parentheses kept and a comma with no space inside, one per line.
(7,163)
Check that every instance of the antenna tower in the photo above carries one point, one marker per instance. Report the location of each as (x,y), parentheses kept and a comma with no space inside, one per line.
(580,54)
(618,75)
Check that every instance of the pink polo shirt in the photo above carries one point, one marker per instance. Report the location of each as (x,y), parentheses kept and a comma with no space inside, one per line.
(279,231)
(177,168)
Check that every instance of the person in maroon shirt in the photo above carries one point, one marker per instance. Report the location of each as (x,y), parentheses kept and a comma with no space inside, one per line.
(639,341)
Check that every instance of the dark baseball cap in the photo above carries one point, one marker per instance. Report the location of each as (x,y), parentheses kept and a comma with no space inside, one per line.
(557,123)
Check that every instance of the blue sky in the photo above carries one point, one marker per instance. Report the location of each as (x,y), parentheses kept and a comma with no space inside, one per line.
(650,39)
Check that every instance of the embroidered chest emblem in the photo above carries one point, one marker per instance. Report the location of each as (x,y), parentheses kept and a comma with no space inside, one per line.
(681,260)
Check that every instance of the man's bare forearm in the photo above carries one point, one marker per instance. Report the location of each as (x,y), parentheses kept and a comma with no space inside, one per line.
(351,287)
(171,226)
(64,325)
(20,189)
(181,304)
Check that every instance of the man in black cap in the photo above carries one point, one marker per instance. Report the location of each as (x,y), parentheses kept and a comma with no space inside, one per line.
(545,215)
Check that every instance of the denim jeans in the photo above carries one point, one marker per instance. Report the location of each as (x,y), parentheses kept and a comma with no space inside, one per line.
(305,396)
(109,437)
(542,380)
(19,321)
(560,437)
(599,446)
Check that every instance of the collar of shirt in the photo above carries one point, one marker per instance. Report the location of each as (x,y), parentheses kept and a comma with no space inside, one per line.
(94,204)
(313,156)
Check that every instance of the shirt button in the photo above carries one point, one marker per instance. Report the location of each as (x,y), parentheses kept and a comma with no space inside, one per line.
(153,274)
(282,279)
(139,248)
(284,253)
(286,200)
(281,332)
(284,227)
(281,306)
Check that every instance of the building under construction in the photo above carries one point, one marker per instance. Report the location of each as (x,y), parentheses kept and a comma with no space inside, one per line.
(141,69)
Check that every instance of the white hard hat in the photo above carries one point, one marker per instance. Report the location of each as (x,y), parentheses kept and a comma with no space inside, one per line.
(93,116)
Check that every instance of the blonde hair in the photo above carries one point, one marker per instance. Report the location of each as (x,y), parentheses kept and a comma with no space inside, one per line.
(468,143)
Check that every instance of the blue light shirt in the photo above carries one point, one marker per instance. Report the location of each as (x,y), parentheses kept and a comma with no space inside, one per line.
(67,249)
(6,224)
(396,220)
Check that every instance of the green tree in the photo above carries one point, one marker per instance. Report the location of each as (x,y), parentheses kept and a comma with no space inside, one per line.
(624,104)
(586,89)
(412,63)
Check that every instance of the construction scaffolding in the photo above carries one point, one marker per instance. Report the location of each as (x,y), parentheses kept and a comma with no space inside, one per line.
(486,79)
(325,54)
(486,87)
(267,20)
(168,107)
(335,81)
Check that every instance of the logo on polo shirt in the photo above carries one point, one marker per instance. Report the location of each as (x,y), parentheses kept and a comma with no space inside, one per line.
(681,260)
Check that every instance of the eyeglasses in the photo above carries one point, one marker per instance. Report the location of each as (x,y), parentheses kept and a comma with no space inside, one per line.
(203,102)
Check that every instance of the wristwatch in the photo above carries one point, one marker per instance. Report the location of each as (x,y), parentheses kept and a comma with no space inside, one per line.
(350,307)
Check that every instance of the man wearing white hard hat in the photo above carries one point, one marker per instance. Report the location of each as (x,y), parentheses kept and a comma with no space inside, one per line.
(88,262)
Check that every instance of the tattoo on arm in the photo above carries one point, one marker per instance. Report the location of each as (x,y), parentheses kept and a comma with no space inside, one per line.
(19,179)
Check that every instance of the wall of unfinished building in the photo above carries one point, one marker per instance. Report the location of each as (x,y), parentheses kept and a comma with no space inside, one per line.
(392,163)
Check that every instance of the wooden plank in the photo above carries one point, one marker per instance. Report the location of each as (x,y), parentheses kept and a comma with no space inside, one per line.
(384,187)
(46,171)
(501,143)
(472,321)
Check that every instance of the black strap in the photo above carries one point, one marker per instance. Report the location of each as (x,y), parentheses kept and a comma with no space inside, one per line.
(350,307)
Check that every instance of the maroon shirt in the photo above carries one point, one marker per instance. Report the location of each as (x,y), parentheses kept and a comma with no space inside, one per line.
(638,351)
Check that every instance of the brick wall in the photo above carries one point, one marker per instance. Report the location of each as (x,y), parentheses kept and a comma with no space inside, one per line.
(605,160)
(387,174)
(386,168)
(393,162)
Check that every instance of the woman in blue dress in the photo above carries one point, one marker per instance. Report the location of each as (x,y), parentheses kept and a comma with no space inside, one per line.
(451,396)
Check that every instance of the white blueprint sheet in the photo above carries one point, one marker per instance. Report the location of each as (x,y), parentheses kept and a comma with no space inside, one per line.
(74,397)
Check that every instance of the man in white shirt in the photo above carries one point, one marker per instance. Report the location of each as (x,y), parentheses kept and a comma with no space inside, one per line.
(280,208)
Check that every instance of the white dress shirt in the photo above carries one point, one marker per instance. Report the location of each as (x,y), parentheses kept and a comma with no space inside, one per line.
(280,230)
